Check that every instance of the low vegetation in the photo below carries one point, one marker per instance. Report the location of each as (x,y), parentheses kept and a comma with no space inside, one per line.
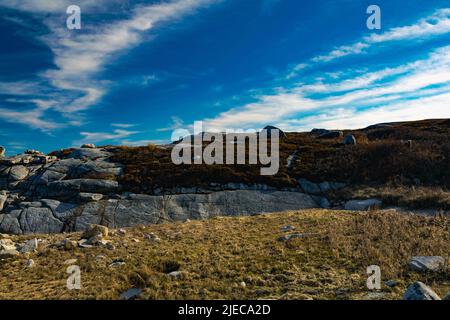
(241,258)
(382,155)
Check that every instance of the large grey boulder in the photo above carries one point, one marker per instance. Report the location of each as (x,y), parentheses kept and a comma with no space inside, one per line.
(17,173)
(350,140)
(427,263)
(420,291)
(66,166)
(3,198)
(309,187)
(48,176)
(39,220)
(363,205)
(271,129)
(29,246)
(88,154)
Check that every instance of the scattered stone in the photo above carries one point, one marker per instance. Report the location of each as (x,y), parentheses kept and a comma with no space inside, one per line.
(427,263)
(420,291)
(391,283)
(287,228)
(7,244)
(30,246)
(70,261)
(94,230)
(294,236)
(363,205)
(69,244)
(29,263)
(375,295)
(350,140)
(117,263)
(151,236)
(135,240)
(5,254)
(96,240)
(243,284)
(88,146)
(88,197)
(2,152)
(176,274)
(122,231)
(131,294)
(83,243)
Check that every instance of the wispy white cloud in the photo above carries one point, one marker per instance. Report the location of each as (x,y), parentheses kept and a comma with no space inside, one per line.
(350,118)
(176,124)
(33,118)
(80,56)
(433,25)
(95,137)
(123,125)
(422,79)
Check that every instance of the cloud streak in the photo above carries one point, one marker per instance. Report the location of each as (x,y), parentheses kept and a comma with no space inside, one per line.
(378,91)
(80,56)
(433,25)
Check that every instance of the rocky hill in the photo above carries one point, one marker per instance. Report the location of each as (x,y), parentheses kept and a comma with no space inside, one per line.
(401,164)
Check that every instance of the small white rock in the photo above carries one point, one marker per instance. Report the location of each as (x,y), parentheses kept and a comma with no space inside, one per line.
(70,261)
(29,263)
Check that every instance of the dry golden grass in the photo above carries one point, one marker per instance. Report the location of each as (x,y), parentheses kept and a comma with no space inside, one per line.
(216,255)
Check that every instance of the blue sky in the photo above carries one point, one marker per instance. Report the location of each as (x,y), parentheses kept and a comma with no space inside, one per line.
(137,70)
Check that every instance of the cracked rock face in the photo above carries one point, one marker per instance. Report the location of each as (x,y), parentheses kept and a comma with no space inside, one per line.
(73,190)
(40,193)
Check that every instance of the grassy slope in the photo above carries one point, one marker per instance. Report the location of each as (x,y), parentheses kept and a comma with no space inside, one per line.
(216,255)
